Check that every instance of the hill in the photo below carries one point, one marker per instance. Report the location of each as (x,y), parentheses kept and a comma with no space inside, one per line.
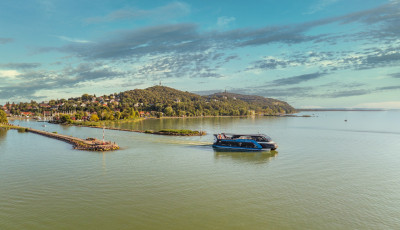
(163,99)
(154,101)
(258,103)
(158,94)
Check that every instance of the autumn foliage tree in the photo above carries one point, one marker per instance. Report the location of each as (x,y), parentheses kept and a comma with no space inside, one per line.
(94,117)
(3,116)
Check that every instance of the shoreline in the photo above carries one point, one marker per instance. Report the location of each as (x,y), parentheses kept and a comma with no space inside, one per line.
(105,124)
(165,117)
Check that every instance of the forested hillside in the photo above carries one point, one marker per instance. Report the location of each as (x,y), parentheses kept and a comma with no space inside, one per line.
(154,101)
(173,102)
(258,103)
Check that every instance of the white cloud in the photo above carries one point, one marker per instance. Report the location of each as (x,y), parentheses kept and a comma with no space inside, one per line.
(12,74)
(73,39)
(224,21)
(170,11)
(47,5)
(320,5)
(380,105)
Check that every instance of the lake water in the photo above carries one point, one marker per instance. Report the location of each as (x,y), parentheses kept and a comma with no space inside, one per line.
(326,174)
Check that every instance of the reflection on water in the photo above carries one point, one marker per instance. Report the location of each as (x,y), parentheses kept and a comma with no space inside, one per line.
(178,141)
(252,157)
(322,179)
(349,130)
(104,163)
(202,123)
(3,133)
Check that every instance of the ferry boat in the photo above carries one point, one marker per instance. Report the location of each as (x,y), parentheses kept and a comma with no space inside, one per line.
(243,142)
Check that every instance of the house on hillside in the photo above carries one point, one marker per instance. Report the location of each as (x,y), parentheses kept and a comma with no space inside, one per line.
(26,114)
(47,113)
(44,105)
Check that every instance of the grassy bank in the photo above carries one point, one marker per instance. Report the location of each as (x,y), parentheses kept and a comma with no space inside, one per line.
(9,126)
(177,132)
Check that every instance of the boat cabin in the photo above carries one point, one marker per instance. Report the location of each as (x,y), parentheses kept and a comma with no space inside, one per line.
(256,137)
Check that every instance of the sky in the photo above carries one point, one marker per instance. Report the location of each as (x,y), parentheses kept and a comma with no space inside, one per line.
(310,53)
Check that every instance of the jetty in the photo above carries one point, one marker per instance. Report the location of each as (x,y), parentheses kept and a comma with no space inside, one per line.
(89,144)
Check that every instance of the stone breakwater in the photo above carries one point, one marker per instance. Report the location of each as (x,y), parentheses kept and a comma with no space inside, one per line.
(90,144)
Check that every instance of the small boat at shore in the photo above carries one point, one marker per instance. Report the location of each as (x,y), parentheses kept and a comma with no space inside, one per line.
(243,142)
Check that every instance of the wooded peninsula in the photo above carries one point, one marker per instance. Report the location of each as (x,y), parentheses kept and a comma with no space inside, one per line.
(156,101)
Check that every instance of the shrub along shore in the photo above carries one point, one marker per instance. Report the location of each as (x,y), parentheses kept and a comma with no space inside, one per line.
(104,125)
(168,132)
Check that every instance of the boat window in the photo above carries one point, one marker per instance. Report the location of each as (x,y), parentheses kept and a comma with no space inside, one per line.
(261,138)
(248,144)
(235,144)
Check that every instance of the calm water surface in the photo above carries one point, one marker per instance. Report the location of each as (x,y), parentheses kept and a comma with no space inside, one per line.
(326,174)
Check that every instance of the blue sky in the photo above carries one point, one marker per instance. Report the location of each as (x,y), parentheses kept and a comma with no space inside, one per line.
(311,53)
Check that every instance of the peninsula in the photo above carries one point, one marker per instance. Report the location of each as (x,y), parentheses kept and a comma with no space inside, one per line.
(156,101)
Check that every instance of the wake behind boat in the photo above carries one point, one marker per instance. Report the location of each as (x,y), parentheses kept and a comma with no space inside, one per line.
(244,142)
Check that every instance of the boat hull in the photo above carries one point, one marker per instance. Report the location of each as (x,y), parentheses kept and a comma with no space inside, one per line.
(238,149)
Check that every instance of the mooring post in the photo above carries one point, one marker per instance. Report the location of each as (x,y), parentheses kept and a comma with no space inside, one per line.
(103,134)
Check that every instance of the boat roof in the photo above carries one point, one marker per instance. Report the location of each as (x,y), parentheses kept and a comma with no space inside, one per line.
(241,134)
(239,140)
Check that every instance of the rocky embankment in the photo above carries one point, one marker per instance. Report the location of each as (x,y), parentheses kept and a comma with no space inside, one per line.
(90,144)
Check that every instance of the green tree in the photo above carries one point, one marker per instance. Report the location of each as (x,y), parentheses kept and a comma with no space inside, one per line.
(79,115)
(86,97)
(159,114)
(117,115)
(105,115)
(125,114)
(243,111)
(65,118)
(3,117)
(169,111)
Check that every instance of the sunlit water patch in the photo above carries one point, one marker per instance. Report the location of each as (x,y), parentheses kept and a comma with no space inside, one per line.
(327,173)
